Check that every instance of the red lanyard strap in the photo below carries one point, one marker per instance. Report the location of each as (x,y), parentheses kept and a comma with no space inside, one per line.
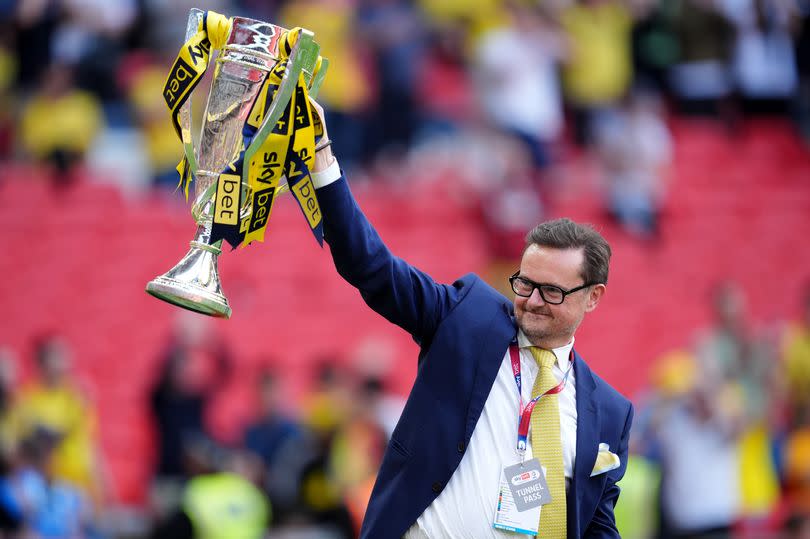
(525,414)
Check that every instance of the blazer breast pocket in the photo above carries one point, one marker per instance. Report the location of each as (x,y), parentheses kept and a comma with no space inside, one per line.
(606,460)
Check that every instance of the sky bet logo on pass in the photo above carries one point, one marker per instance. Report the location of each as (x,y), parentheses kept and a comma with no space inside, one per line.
(525,477)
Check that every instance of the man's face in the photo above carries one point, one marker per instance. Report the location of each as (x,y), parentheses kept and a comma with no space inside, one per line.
(55,363)
(546,325)
(729,306)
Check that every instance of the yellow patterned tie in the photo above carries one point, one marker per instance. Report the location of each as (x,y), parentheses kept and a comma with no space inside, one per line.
(547,446)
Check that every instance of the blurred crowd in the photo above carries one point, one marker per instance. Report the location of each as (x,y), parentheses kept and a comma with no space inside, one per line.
(306,468)
(500,92)
(301,470)
(720,446)
(492,90)
(720,442)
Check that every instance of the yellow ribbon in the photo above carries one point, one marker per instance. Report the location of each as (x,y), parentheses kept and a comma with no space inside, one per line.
(268,164)
(218,28)
(295,131)
(187,71)
(304,145)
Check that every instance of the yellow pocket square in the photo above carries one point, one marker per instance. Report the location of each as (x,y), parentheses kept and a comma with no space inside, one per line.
(605,460)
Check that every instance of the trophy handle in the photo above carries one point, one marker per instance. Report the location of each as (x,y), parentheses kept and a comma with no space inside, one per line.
(195,18)
(317,80)
(302,58)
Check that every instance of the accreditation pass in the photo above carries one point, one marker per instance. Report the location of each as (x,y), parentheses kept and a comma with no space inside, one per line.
(522,492)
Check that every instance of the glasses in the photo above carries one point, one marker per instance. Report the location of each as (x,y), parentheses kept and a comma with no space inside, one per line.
(550,293)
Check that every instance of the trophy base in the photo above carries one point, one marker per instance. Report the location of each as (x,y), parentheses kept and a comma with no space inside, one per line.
(189,296)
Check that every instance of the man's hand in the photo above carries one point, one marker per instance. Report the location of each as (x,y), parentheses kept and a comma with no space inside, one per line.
(323,158)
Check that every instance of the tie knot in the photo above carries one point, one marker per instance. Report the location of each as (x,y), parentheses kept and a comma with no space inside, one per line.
(544,358)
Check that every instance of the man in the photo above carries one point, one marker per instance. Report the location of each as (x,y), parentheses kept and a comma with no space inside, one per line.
(55,402)
(442,473)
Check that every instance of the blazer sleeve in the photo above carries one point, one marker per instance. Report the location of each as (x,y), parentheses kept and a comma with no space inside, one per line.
(393,288)
(603,523)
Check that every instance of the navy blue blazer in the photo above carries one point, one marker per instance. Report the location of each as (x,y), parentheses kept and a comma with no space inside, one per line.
(463,331)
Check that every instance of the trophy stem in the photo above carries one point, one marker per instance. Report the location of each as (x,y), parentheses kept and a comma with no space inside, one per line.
(194,282)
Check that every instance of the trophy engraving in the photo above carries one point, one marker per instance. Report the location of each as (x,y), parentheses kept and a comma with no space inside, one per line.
(262,74)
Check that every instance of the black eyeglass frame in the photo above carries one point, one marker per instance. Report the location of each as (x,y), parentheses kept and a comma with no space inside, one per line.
(539,288)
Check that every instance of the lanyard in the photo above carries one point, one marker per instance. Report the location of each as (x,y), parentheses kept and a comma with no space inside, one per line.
(526,413)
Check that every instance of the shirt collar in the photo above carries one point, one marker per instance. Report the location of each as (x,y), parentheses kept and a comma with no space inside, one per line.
(563,353)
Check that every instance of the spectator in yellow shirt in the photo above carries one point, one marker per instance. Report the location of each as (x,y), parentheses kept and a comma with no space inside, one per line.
(60,122)
(53,402)
(796,353)
(347,89)
(599,68)
(145,95)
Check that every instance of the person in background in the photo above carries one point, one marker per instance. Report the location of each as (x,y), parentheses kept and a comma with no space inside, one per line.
(54,402)
(796,451)
(522,95)
(9,100)
(10,509)
(796,356)
(515,76)
(394,34)
(280,442)
(60,122)
(763,62)
(372,363)
(599,69)
(326,411)
(50,507)
(634,146)
(9,412)
(143,81)
(194,366)
(443,92)
(222,498)
(701,78)
(697,431)
(802,55)
(327,406)
(732,348)
(796,454)
(350,96)
(273,428)
(655,46)
(743,359)
(357,448)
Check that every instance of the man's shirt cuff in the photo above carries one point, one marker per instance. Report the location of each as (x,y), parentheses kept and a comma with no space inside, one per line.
(325,177)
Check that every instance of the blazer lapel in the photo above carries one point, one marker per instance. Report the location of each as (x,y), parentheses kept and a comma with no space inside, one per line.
(588,428)
(492,348)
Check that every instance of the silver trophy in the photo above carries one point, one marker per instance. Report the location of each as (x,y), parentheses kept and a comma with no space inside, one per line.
(250,54)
